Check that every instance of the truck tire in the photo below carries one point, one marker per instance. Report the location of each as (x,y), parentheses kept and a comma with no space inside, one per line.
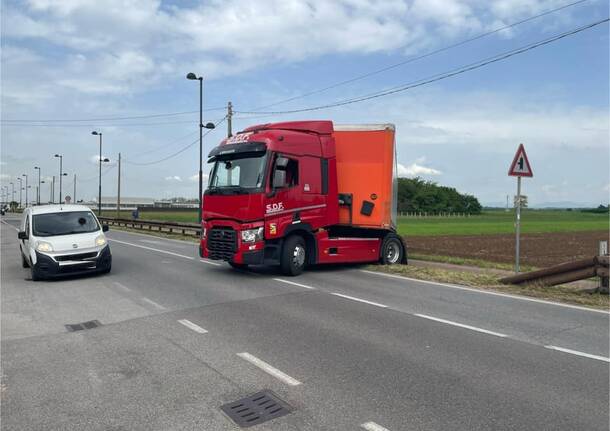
(24,261)
(392,250)
(242,266)
(294,255)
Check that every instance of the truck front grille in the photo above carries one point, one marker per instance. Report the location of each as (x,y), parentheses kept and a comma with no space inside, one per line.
(222,243)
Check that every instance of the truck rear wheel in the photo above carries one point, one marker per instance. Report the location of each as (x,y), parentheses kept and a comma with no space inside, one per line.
(392,250)
(294,255)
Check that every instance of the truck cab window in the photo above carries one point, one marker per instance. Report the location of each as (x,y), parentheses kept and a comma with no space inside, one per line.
(292,173)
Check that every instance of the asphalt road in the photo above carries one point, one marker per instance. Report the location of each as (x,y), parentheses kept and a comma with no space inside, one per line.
(346,348)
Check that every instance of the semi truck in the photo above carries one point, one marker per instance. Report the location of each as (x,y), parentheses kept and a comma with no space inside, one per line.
(300,193)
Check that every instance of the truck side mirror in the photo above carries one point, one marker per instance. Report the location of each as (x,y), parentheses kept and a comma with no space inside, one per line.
(279,179)
(22,235)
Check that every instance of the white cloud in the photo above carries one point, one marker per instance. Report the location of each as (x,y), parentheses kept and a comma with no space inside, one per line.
(119,47)
(416,169)
(173,178)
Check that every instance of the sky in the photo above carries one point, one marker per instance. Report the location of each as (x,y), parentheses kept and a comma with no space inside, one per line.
(88,62)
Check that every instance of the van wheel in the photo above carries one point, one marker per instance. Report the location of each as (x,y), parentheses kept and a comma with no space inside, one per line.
(35,275)
(392,250)
(294,255)
(24,262)
(241,266)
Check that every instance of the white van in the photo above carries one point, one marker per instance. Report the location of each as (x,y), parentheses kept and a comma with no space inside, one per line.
(63,239)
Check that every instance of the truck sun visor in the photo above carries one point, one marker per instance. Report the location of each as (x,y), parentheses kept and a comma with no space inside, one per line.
(229,151)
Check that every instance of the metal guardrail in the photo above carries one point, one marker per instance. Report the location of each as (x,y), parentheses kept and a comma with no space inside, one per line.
(186,229)
(565,273)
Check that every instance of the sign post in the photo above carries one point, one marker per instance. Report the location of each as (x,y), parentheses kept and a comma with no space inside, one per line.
(520,167)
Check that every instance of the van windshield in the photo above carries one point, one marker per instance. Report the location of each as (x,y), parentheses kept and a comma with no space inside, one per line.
(64,223)
(238,174)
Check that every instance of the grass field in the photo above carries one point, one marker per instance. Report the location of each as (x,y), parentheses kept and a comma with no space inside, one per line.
(488,223)
(498,222)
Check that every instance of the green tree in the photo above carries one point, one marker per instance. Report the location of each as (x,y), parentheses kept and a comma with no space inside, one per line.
(416,194)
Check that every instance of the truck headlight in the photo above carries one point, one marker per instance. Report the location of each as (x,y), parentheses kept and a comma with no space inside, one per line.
(100,241)
(204,233)
(252,235)
(44,246)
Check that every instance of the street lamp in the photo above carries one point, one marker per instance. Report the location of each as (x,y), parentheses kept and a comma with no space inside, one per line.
(192,76)
(99,194)
(61,159)
(38,191)
(20,189)
(26,189)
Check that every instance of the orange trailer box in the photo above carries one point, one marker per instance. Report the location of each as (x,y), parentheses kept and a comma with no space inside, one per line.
(366,175)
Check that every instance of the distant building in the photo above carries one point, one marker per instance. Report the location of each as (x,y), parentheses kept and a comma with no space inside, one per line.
(132,203)
(127,203)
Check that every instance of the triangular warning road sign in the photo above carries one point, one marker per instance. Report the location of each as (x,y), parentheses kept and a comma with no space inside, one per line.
(520,167)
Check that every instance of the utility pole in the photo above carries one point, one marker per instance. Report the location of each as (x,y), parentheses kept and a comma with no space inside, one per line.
(74,194)
(53,191)
(118,193)
(229,119)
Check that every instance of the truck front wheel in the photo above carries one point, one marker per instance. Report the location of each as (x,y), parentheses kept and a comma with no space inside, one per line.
(392,250)
(294,255)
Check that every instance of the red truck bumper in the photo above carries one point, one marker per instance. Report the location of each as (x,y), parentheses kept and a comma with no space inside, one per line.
(222,241)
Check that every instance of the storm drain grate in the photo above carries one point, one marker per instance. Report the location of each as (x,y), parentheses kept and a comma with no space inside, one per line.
(85,325)
(255,409)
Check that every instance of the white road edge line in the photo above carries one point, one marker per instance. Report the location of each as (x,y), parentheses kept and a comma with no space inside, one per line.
(8,224)
(294,284)
(151,248)
(486,292)
(153,303)
(472,328)
(372,426)
(376,304)
(269,369)
(576,352)
(122,286)
(209,263)
(192,326)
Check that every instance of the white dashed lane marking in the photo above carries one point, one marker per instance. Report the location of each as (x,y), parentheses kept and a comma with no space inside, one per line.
(192,326)
(269,369)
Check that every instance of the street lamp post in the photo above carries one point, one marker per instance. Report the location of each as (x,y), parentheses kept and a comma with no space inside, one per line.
(99,193)
(38,190)
(13,191)
(61,159)
(26,189)
(192,76)
(20,189)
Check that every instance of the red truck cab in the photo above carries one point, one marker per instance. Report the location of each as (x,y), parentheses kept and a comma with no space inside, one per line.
(273,198)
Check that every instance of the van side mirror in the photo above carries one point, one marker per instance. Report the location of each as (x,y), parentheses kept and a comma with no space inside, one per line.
(279,179)
(105,228)
(22,235)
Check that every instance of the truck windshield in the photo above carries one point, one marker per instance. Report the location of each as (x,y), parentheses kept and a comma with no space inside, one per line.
(238,174)
(64,223)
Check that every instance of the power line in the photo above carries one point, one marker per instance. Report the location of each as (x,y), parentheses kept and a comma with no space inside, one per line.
(35,124)
(177,152)
(134,117)
(438,77)
(422,56)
